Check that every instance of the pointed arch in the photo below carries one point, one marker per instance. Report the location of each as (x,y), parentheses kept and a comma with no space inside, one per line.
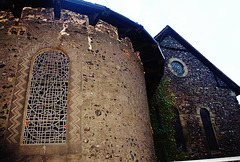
(207,125)
(179,137)
(46,106)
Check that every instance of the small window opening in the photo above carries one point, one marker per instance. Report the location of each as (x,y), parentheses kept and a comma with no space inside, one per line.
(207,125)
(179,137)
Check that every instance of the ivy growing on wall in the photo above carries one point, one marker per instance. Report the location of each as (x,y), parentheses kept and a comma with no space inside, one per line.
(162,119)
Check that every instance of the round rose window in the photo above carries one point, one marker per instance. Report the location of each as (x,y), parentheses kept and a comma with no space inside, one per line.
(177,67)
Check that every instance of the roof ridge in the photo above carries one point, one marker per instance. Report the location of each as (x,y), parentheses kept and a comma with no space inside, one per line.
(169,31)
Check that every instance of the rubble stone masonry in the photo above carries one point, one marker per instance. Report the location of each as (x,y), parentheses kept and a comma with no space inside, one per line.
(200,88)
(107,112)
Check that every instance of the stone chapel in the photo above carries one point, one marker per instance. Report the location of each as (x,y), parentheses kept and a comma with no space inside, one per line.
(75,79)
(206,105)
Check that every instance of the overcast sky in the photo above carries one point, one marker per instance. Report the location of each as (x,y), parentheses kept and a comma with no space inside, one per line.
(211,26)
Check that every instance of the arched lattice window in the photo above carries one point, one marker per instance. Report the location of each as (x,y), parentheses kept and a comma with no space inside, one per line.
(45,120)
(179,137)
(207,125)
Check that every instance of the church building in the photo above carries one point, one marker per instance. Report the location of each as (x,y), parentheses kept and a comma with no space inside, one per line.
(205,100)
(75,79)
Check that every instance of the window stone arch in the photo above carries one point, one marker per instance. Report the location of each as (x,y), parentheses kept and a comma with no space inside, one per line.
(177,67)
(179,136)
(46,106)
(208,129)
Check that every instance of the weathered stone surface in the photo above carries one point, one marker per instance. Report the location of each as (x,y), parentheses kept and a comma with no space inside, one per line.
(107,115)
(199,89)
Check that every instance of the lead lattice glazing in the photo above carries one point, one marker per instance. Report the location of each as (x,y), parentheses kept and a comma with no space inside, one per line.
(47,103)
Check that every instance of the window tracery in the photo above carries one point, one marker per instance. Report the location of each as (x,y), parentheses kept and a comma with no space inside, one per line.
(177,67)
(47,103)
